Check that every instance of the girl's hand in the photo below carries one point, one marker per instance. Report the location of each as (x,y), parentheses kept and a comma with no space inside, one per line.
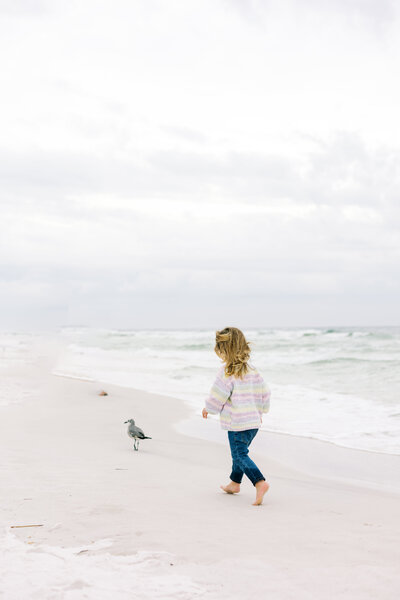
(204,413)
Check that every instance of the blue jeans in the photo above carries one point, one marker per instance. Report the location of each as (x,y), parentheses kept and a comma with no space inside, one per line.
(239,442)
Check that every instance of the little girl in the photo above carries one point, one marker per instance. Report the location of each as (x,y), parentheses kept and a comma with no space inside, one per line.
(240,396)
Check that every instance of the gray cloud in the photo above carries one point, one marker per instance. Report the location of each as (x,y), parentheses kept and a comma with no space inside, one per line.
(158,174)
(374,14)
(24,7)
(341,171)
(185,133)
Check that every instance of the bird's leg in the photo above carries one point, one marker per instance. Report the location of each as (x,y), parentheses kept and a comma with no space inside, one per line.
(134,444)
(138,444)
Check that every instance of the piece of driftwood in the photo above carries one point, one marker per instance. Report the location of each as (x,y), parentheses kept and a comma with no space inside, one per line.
(17,526)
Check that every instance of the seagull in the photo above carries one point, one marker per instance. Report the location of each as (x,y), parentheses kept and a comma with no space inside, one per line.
(136,433)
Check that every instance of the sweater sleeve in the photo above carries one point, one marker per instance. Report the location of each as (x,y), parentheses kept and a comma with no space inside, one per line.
(219,393)
(265,398)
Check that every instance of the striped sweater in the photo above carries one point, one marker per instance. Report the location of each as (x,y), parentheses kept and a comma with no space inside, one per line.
(239,402)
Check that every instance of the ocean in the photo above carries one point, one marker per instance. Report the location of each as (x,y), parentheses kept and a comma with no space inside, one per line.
(341,384)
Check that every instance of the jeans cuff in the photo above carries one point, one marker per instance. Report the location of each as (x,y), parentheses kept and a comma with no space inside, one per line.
(262,479)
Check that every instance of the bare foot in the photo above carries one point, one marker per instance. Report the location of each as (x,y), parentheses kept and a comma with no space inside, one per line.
(262,488)
(231,488)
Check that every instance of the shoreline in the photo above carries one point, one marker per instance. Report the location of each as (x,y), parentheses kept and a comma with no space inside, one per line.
(376,469)
(275,446)
(69,466)
(314,458)
(190,406)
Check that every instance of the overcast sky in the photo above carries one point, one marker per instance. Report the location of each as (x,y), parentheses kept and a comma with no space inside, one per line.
(199,163)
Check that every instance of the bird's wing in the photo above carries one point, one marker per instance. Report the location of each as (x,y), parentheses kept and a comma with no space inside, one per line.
(140,433)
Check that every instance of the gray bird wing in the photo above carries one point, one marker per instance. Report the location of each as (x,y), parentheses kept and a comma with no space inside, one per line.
(134,431)
(140,433)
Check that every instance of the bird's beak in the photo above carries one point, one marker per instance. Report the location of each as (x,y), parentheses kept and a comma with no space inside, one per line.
(125,421)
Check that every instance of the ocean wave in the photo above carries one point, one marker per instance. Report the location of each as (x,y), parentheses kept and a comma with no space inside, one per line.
(325,383)
(352,360)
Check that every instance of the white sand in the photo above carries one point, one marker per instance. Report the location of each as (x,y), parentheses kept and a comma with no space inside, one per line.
(110,514)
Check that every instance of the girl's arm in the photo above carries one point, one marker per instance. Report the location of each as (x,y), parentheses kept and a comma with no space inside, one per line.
(266,395)
(263,399)
(219,394)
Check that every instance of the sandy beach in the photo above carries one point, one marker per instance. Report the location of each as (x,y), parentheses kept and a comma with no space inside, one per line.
(112,519)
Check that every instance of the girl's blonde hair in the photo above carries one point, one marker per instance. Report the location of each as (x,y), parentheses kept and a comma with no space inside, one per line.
(232,347)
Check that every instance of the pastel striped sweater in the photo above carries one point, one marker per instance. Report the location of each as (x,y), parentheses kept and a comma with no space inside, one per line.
(239,402)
